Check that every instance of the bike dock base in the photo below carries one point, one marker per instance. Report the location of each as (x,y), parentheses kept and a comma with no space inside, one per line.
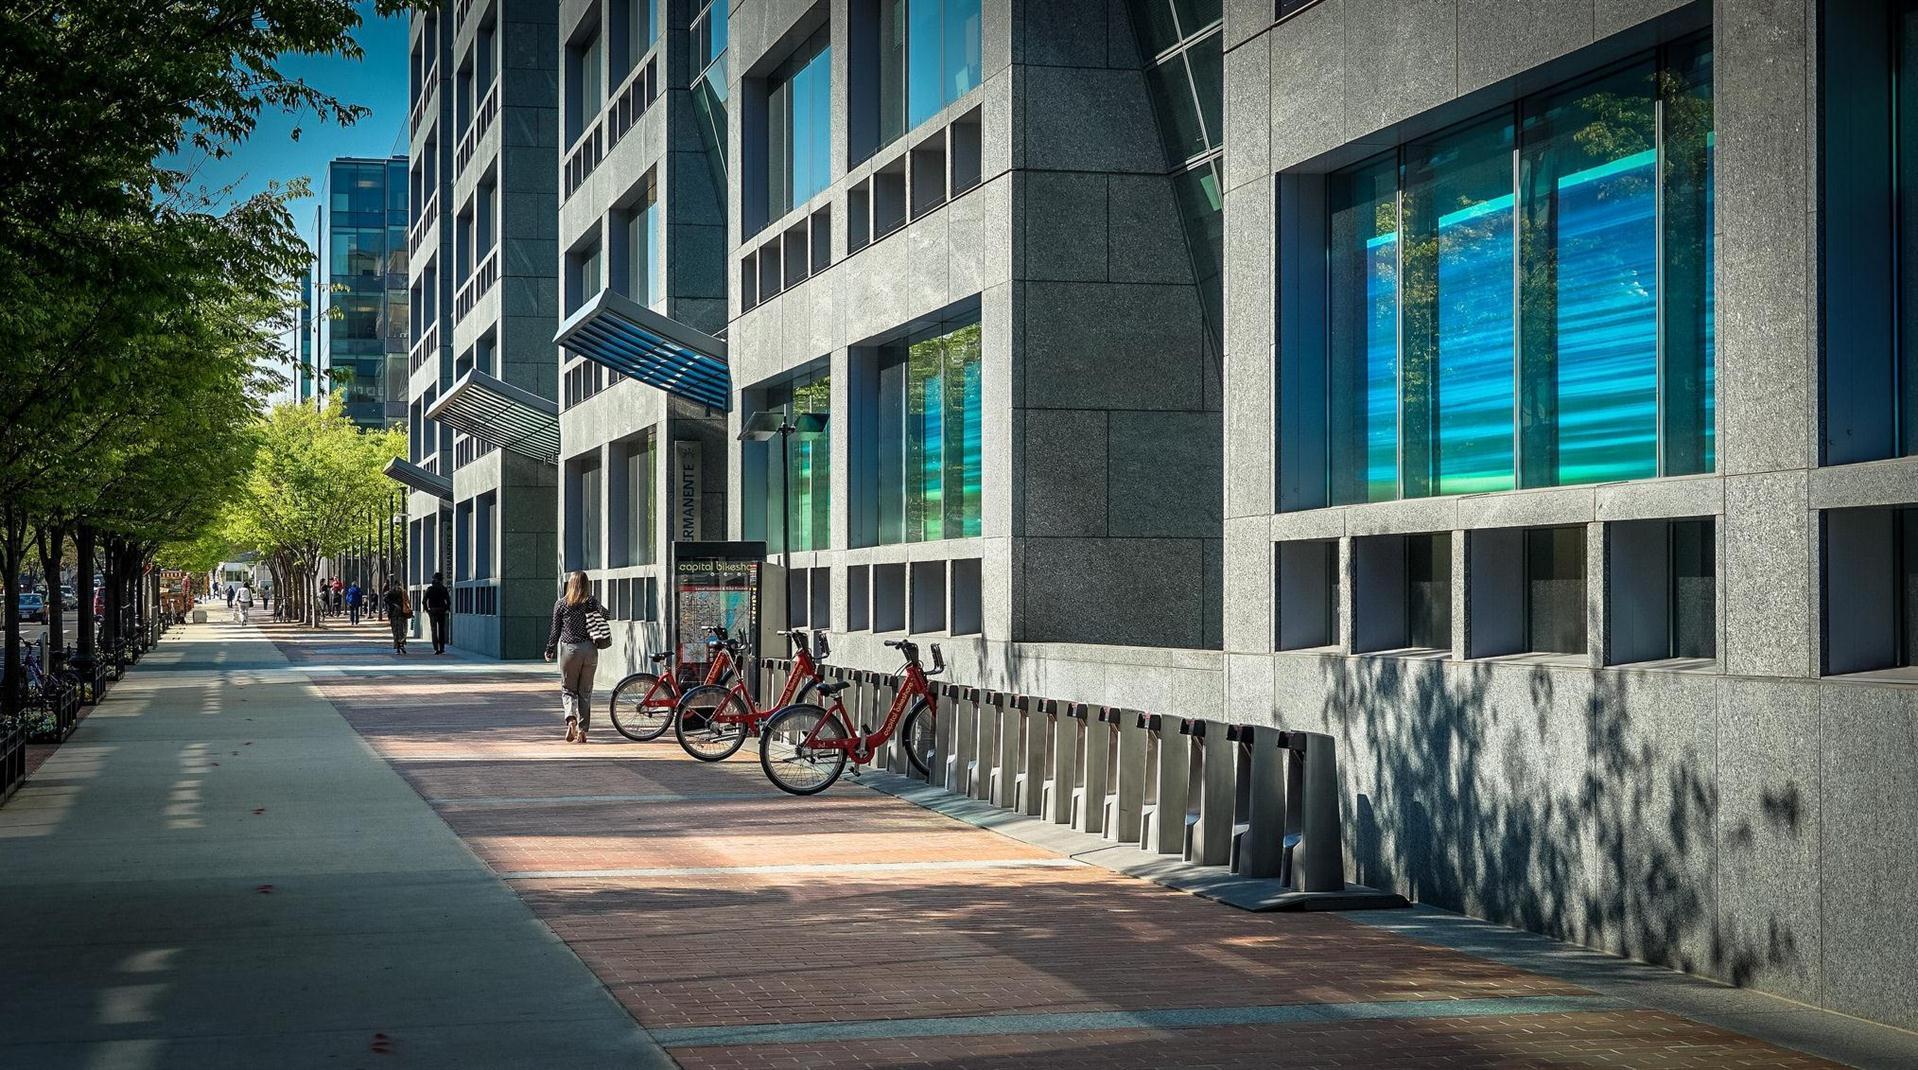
(1258,894)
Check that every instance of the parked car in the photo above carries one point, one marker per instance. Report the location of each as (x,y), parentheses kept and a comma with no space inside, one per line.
(33,606)
(68,598)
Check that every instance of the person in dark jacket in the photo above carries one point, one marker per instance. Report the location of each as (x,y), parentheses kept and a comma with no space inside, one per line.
(397,610)
(353,602)
(439,603)
(578,657)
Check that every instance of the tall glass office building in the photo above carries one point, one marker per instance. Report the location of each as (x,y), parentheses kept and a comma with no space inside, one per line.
(361,351)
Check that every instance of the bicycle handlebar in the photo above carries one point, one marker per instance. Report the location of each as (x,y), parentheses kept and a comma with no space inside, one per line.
(798,638)
(910,651)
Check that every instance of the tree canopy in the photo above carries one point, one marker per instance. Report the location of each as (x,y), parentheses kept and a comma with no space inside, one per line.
(139,313)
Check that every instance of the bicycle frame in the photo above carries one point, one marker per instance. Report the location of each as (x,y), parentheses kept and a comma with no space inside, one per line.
(804,669)
(860,747)
(666,692)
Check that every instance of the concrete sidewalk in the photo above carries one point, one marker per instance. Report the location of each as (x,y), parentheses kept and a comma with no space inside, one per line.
(216,871)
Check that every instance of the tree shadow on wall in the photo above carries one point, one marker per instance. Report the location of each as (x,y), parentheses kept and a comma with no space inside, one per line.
(1531,797)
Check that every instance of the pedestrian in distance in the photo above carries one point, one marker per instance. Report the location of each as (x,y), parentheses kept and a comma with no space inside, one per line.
(246,601)
(398,609)
(578,634)
(353,603)
(439,603)
(339,596)
(232,592)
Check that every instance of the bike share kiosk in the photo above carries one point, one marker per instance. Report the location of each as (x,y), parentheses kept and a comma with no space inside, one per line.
(723,584)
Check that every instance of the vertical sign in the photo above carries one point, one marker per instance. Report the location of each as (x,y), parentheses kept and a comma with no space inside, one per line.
(685,476)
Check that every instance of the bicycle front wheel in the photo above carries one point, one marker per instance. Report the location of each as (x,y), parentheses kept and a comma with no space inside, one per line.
(710,723)
(916,734)
(642,707)
(790,753)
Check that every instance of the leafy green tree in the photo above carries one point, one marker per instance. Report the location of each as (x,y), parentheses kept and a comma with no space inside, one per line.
(314,477)
(127,298)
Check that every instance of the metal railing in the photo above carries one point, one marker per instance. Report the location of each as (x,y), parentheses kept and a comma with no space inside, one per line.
(429,215)
(477,285)
(427,345)
(429,93)
(483,116)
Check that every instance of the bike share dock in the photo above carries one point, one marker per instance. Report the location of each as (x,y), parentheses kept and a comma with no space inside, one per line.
(1242,814)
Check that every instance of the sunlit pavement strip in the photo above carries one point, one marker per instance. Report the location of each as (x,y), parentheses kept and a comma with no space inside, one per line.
(482,801)
(843,868)
(1105,1021)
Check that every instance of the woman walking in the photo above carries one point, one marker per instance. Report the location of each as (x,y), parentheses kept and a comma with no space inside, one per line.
(572,641)
(398,609)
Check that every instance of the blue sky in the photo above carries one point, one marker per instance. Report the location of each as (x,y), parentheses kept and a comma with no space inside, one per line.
(376,81)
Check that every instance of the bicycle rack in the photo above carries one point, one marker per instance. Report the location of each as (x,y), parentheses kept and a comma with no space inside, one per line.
(1312,852)
(982,771)
(1035,755)
(1099,804)
(1258,850)
(1098,749)
(1126,775)
(768,676)
(950,743)
(1169,762)
(1010,770)
(1210,794)
(873,698)
(956,743)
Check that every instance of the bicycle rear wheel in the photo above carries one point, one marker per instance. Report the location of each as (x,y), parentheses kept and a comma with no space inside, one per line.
(790,762)
(916,735)
(642,707)
(710,723)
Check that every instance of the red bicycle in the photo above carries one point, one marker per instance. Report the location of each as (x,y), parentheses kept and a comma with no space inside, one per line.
(714,719)
(643,703)
(805,746)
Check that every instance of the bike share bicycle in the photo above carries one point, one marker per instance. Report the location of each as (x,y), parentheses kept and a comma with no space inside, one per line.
(714,720)
(805,746)
(643,703)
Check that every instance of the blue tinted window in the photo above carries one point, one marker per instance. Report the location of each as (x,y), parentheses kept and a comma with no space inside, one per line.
(1589,274)
(1364,297)
(1526,301)
(927,57)
(1458,333)
(930,456)
(799,128)
(808,478)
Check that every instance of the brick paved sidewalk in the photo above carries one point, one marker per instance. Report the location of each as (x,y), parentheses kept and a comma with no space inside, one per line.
(744,928)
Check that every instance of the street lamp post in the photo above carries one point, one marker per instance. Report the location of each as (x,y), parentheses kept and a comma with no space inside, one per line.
(763,426)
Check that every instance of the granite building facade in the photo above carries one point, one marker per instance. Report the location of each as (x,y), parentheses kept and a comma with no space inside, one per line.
(1517,395)
(481,413)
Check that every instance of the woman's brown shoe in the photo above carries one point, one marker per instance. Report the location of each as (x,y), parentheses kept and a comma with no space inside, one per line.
(582,736)
(572,730)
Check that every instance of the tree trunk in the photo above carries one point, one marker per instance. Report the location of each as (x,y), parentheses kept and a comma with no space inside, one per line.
(12,553)
(112,599)
(53,542)
(84,586)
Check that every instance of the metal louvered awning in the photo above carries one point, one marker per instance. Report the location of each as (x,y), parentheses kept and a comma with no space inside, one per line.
(637,342)
(408,474)
(501,415)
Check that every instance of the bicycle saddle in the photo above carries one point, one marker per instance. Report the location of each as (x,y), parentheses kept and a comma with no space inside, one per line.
(833,688)
(661,656)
